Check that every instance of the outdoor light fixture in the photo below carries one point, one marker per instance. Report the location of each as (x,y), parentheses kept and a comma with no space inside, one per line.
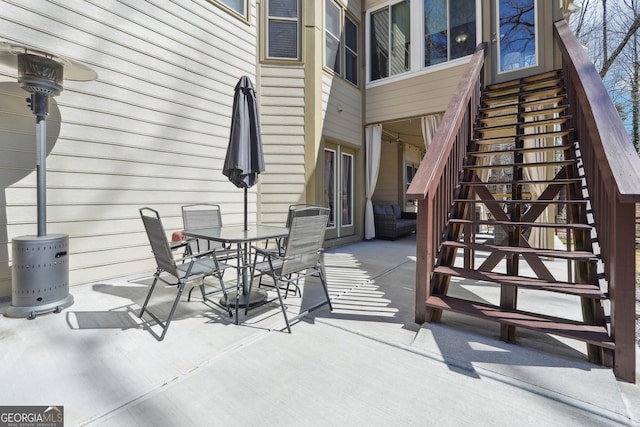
(40,269)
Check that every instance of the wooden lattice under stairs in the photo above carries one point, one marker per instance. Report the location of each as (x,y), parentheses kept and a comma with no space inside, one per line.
(523,181)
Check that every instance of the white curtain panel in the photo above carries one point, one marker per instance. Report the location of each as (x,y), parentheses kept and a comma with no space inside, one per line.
(373,135)
(429,126)
(539,237)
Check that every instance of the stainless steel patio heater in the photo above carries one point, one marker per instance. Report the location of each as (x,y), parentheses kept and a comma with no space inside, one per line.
(40,269)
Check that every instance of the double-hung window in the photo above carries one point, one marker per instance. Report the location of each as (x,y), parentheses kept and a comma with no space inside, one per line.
(390,40)
(449,30)
(283,29)
(341,42)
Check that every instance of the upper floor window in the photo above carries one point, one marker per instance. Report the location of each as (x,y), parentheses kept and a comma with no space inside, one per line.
(445,30)
(449,30)
(341,42)
(237,6)
(390,40)
(283,29)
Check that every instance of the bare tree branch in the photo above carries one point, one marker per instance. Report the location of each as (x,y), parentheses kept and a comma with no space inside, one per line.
(583,12)
(609,61)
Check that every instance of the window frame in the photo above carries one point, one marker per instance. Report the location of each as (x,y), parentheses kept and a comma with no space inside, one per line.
(298,20)
(388,6)
(450,38)
(342,44)
(233,12)
(417,32)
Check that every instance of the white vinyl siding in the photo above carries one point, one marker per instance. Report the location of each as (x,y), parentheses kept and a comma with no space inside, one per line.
(282,114)
(151,131)
(412,97)
(342,111)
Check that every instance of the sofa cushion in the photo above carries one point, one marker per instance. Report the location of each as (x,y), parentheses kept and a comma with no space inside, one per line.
(388,210)
(378,209)
(396,211)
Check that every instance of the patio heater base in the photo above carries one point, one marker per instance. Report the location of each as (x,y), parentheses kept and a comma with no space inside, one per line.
(40,275)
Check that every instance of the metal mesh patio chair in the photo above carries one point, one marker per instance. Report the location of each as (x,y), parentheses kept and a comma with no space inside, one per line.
(281,244)
(177,271)
(302,256)
(201,216)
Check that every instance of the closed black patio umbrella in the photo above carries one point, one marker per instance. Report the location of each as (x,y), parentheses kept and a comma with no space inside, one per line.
(244,160)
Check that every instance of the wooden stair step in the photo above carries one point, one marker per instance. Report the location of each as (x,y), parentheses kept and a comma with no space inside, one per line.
(521,202)
(536,78)
(559,99)
(592,334)
(521,165)
(577,289)
(584,227)
(491,153)
(544,112)
(522,87)
(524,124)
(523,95)
(564,181)
(522,137)
(548,253)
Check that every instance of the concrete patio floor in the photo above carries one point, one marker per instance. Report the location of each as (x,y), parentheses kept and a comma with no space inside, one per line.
(366,363)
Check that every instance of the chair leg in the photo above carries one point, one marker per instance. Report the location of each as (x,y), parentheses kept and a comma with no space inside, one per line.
(224,292)
(284,310)
(146,301)
(323,280)
(173,310)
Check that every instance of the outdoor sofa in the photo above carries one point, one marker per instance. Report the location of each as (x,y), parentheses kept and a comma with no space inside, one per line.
(391,222)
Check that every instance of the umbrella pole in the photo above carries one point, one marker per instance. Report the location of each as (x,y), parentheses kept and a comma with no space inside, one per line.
(245,210)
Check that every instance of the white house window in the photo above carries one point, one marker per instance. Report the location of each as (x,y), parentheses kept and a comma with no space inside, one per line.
(239,6)
(283,29)
(351,51)
(332,30)
(235,7)
(449,30)
(390,40)
(341,42)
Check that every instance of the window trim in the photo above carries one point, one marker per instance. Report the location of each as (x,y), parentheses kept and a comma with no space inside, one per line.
(232,11)
(344,15)
(267,21)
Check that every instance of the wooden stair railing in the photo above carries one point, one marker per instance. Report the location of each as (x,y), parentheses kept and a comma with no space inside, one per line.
(612,172)
(596,177)
(508,142)
(438,176)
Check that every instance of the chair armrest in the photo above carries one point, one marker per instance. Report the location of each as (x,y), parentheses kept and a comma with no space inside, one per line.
(270,253)
(179,244)
(409,215)
(191,257)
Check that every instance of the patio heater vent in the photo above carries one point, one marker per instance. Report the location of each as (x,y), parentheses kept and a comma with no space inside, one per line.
(40,270)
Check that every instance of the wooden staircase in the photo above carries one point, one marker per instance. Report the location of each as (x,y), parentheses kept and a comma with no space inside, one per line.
(522,180)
